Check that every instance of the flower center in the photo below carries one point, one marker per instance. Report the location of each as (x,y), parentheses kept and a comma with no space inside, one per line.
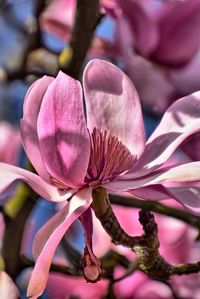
(108,157)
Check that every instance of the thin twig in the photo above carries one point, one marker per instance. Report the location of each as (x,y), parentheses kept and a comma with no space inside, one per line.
(87,18)
(157,207)
(54,267)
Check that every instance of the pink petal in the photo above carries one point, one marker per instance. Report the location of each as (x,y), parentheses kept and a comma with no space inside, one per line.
(179,38)
(144,29)
(62,132)
(10,174)
(127,185)
(187,194)
(29,135)
(49,236)
(181,183)
(154,192)
(8,289)
(181,120)
(189,172)
(110,98)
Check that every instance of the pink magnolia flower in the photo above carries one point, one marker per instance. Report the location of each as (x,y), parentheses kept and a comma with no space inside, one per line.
(166,64)
(7,287)
(72,157)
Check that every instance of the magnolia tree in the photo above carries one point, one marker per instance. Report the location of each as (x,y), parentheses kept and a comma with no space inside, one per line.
(84,150)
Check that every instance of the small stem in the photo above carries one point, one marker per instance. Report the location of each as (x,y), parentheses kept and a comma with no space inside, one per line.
(112,259)
(174,293)
(54,267)
(87,17)
(110,294)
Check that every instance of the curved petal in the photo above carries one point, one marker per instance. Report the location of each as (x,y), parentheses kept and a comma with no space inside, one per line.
(181,183)
(10,174)
(181,120)
(154,192)
(49,236)
(32,104)
(62,132)
(112,103)
(188,172)
(187,194)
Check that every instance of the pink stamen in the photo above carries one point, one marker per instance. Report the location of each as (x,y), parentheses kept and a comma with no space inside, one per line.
(108,157)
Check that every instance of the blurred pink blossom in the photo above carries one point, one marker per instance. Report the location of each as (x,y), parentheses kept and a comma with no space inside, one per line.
(161,56)
(10,143)
(62,287)
(58,18)
(173,42)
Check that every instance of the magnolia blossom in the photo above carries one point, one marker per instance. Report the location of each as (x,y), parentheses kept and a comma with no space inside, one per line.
(73,156)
